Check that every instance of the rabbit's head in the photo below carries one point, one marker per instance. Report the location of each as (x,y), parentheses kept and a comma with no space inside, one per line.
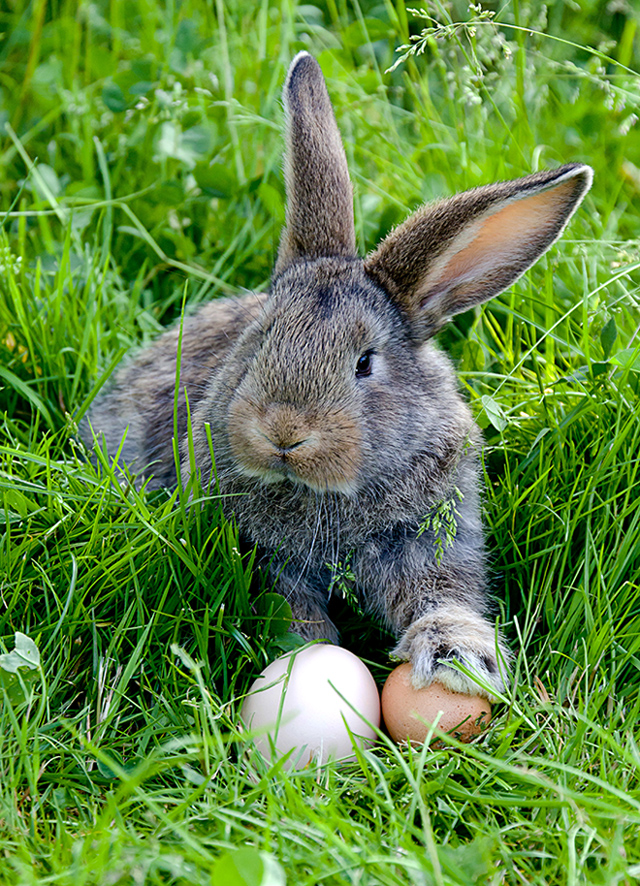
(335,383)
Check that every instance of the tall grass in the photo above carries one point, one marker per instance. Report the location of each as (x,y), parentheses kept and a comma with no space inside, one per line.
(140,166)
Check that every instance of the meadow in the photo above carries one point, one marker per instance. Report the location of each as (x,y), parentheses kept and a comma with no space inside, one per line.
(140,175)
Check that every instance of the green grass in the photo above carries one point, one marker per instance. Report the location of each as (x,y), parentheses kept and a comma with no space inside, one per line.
(140,165)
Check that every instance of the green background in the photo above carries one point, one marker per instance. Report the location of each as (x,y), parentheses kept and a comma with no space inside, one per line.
(140,170)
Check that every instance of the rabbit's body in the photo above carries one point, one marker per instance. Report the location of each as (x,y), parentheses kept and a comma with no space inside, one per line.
(377,456)
(337,427)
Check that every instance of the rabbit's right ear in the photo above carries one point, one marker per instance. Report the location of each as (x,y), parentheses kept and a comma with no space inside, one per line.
(455,254)
(319,220)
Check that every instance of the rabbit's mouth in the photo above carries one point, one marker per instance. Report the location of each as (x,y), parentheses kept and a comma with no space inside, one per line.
(286,474)
(282,445)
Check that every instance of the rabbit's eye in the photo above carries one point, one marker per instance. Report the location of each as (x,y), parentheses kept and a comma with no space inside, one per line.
(363,366)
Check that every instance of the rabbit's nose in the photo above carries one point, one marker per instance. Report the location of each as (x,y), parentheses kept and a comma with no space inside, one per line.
(283,428)
(292,446)
(283,443)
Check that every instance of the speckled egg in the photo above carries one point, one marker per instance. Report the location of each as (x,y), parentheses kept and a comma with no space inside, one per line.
(404,709)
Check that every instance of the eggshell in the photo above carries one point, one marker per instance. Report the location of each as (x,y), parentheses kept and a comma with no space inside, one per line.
(462,715)
(296,703)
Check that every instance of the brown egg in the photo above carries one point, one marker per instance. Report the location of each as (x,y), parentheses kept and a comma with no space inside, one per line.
(462,715)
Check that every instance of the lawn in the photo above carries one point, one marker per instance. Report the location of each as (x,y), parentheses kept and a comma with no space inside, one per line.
(140,175)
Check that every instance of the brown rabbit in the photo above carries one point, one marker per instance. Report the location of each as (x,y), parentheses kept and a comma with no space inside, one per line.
(337,426)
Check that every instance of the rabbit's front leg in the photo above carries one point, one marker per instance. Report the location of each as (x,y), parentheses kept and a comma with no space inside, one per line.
(436,604)
(308,603)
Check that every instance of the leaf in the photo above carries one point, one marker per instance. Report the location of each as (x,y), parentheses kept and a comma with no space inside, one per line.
(247,867)
(80,218)
(16,683)
(580,376)
(46,181)
(105,770)
(494,413)
(18,502)
(198,140)
(287,642)
(276,613)
(598,369)
(608,337)
(27,649)
(272,200)
(470,863)
(123,89)
(142,87)
(472,356)
(629,359)
(144,69)
(25,655)
(113,97)
(188,147)
(187,39)
(170,192)
(216,180)
(18,686)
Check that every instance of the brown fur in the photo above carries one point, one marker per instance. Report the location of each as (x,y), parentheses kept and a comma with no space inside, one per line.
(316,461)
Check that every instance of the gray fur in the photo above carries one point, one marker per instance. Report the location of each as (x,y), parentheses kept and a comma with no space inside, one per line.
(316,463)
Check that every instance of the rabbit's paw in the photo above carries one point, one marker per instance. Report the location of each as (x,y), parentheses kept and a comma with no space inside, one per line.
(455,633)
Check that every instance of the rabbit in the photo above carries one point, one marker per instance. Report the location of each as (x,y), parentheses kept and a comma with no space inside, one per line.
(337,426)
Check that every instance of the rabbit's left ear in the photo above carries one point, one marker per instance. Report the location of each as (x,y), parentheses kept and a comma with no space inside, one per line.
(319,219)
(452,255)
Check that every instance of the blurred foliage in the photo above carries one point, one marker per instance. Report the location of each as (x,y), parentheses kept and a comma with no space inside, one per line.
(140,169)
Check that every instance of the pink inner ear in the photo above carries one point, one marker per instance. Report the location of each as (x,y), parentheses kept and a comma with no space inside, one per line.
(509,237)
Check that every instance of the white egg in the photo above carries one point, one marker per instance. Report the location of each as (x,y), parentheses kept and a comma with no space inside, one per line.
(296,703)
